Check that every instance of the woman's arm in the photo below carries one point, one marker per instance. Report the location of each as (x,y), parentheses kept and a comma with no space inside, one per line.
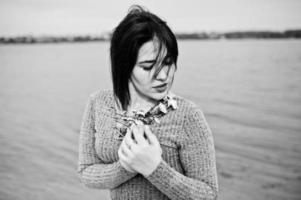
(197,156)
(92,171)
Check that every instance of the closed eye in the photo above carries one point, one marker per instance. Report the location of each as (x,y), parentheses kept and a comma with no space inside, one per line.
(147,68)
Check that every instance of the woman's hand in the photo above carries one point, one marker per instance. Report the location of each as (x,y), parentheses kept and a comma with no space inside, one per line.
(140,154)
(125,165)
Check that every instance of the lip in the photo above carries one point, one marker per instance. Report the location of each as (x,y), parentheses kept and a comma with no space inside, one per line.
(161,86)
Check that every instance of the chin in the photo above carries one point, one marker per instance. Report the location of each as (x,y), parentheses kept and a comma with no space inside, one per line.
(158,96)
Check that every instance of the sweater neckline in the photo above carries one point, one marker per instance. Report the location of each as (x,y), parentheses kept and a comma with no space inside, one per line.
(124,120)
(118,110)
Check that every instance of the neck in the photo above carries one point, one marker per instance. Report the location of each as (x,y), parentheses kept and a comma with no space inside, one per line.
(139,101)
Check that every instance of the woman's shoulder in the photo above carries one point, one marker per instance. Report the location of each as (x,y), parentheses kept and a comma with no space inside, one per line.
(102,96)
(193,115)
(186,105)
(101,93)
(190,111)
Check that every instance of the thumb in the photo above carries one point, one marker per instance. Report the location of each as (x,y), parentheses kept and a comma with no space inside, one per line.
(151,137)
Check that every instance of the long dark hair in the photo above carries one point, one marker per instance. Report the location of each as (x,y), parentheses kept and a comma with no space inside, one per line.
(138,27)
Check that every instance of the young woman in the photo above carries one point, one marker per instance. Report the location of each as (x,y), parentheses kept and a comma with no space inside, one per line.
(140,140)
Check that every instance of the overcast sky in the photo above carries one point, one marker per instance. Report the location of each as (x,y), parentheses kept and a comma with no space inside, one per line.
(64,17)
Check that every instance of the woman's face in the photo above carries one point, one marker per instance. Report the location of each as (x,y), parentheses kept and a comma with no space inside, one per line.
(143,76)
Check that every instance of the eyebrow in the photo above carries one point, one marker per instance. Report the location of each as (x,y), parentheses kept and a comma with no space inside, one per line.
(147,61)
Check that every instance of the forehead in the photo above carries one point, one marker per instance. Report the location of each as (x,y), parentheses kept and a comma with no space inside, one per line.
(149,51)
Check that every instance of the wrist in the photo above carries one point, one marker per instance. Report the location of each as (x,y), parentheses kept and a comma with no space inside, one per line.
(149,172)
(126,167)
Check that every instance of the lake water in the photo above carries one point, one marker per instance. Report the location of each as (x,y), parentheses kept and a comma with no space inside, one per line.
(249,90)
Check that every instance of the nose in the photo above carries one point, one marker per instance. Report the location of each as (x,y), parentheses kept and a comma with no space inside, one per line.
(163,74)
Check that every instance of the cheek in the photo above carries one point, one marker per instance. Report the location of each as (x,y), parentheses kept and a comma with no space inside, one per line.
(171,72)
(141,78)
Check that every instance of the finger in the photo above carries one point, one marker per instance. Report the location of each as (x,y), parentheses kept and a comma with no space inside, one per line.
(151,137)
(138,134)
(126,150)
(129,140)
(121,155)
(129,133)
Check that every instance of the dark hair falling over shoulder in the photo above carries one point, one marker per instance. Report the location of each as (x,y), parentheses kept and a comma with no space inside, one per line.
(138,27)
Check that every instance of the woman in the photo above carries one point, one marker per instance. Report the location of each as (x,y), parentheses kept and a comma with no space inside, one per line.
(140,140)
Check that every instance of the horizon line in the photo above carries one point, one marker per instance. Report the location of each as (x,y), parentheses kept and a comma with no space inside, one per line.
(104,33)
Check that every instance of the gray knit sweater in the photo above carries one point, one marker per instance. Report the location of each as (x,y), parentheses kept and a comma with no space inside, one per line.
(187,169)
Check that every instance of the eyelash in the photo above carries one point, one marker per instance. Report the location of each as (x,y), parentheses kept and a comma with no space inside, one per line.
(148,68)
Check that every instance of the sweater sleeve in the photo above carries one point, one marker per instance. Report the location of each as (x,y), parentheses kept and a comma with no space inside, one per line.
(197,157)
(93,172)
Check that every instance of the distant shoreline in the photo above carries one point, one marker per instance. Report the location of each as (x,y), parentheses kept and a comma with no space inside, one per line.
(28,39)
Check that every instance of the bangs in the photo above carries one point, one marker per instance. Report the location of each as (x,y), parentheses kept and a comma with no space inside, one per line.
(167,52)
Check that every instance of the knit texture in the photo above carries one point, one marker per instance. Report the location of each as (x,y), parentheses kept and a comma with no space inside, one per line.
(187,169)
